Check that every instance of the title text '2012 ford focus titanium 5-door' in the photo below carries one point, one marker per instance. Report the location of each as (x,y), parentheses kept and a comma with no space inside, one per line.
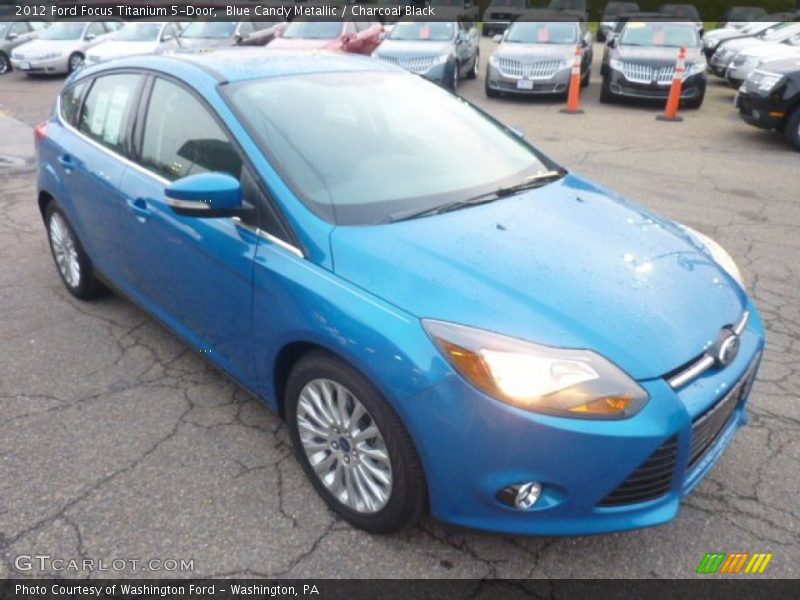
(446,319)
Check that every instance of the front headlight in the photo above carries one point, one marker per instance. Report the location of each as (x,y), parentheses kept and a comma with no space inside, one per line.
(440,60)
(493,60)
(615,64)
(557,381)
(717,253)
(764,80)
(695,68)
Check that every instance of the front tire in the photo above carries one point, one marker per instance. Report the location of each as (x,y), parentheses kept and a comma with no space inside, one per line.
(71,260)
(605,96)
(695,103)
(353,446)
(74,62)
(5,64)
(791,129)
(473,72)
(490,93)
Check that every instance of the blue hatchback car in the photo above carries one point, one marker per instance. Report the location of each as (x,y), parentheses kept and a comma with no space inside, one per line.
(447,320)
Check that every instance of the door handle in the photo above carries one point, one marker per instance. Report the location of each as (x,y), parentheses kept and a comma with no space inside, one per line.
(139,208)
(66,161)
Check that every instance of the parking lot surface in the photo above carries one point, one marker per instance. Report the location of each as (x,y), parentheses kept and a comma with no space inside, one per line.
(117,442)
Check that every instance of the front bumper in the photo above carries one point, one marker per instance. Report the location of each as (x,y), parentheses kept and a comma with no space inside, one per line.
(760,111)
(472,446)
(719,65)
(50,65)
(616,84)
(557,84)
(736,74)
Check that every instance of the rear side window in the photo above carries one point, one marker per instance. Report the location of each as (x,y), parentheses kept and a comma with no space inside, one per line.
(106,109)
(182,138)
(71,102)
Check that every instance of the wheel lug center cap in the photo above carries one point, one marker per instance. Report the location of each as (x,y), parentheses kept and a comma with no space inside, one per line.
(344,444)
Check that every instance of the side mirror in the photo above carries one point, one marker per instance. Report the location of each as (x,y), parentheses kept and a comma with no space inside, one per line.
(168,37)
(612,43)
(584,43)
(517,132)
(497,38)
(90,37)
(238,38)
(12,36)
(205,195)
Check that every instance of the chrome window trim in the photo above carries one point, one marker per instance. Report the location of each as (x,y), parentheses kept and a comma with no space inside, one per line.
(269,237)
(705,362)
(165,182)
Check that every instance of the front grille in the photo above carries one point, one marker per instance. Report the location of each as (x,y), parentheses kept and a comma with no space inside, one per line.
(651,480)
(537,70)
(415,65)
(708,427)
(639,73)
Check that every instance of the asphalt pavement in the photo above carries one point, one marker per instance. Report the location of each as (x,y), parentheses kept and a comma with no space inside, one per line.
(117,442)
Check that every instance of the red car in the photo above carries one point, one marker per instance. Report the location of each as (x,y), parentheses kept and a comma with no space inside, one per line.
(359,38)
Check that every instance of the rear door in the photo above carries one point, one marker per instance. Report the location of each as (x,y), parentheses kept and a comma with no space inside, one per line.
(91,159)
(195,274)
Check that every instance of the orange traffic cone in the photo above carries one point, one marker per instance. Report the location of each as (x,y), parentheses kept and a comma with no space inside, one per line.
(674,99)
(574,95)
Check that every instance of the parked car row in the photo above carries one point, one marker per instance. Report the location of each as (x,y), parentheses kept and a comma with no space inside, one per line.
(762,61)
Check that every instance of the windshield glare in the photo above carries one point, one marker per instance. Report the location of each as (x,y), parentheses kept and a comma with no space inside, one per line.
(138,33)
(543,33)
(313,30)
(433,32)
(63,31)
(351,162)
(666,35)
(209,30)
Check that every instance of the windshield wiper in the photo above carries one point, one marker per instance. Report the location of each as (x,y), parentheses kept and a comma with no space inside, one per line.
(529,183)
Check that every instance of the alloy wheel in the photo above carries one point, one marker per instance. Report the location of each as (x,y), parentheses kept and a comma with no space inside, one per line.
(476,66)
(344,446)
(5,67)
(455,77)
(75,62)
(64,250)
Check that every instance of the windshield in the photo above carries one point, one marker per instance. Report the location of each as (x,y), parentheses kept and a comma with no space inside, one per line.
(3,26)
(614,9)
(63,31)
(446,2)
(139,33)
(664,35)
(313,30)
(209,30)
(347,143)
(433,32)
(542,33)
(682,11)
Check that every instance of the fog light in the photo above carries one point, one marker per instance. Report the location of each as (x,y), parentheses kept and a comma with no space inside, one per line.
(521,496)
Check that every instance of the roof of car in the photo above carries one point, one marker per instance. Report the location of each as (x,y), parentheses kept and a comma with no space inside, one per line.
(241,64)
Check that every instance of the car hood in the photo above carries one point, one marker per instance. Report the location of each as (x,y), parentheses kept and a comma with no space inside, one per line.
(738,44)
(655,55)
(567,265)
(304,44)
(40,47)
(114,49)
(529,53)
(767,49)
(412,49)
(783,66)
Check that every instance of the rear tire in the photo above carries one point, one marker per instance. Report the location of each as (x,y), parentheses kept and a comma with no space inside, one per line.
(71,260)
(791,129)
(336,402)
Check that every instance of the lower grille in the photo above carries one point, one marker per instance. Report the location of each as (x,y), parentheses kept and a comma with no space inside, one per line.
(651,480)
(707,428)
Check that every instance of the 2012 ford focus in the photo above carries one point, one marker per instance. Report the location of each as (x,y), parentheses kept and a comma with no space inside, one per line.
(446,318)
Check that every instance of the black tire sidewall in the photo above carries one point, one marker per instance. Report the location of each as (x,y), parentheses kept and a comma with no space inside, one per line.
(408,497)
(70,68)
(4,60)
(791,129)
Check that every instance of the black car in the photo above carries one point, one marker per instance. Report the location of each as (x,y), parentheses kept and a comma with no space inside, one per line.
(770,98)
(641,63)
(501,13)
(623,19)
